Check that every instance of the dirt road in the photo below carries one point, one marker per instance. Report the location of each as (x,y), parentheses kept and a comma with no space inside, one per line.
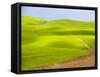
(83,61)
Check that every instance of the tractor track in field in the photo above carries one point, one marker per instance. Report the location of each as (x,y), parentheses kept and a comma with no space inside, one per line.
(83,61)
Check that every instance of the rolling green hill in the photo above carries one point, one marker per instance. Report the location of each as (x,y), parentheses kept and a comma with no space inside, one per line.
(48,42)
(28,20)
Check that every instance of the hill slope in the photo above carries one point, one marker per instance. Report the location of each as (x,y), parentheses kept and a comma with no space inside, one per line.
(48,42)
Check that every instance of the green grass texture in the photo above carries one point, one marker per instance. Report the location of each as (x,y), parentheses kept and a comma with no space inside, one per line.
(47,42)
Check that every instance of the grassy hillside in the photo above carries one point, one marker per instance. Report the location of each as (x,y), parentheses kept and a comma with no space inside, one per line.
(48,42)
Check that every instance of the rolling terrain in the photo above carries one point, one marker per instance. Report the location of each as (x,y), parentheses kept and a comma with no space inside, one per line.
(50,42)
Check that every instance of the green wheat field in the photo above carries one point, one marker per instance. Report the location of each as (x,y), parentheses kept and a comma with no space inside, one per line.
(46,42)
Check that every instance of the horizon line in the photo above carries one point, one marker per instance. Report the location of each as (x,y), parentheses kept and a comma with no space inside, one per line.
(58,19)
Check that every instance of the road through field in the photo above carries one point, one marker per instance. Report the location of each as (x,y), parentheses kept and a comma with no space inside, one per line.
(51,44)
(83,61)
